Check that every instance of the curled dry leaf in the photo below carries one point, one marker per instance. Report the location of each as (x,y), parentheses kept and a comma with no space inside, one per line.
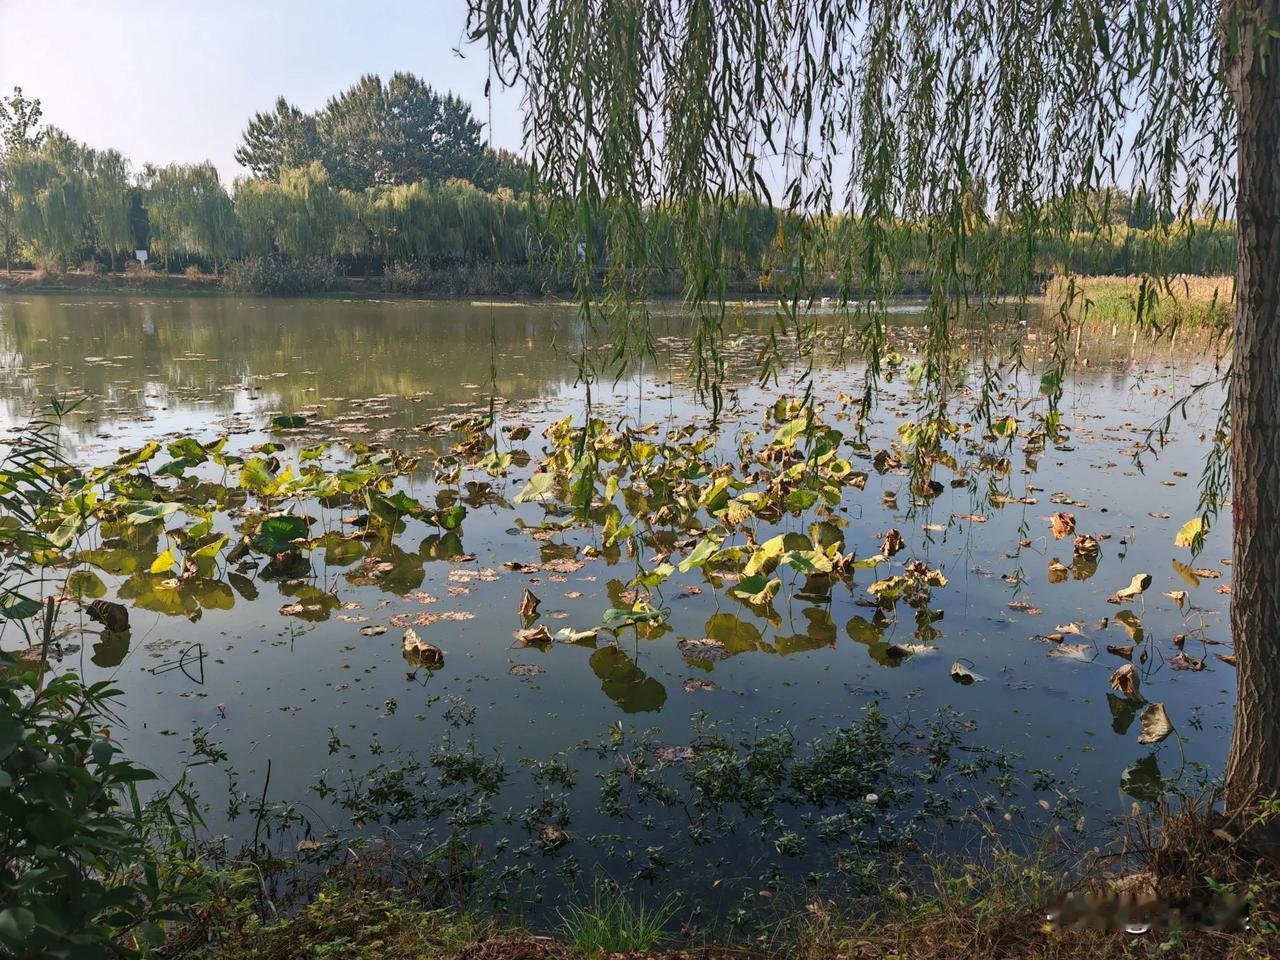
(1086,547)
(1155,724)
(1120,650)
(529,604)
(570,635)
(1062,525)
(694,684)
(962,674)
(534,635)
(1177,596)
(1125,681)
(674,754)
(553,837)
(1137,586)
(1183,662)
(419,653)
(372,631)
(1228,658)
(892,543)
(113,616)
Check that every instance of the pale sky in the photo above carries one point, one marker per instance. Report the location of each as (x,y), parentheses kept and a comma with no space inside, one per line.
(176,81)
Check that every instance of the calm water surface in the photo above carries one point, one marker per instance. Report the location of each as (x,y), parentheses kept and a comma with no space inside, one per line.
(323,704)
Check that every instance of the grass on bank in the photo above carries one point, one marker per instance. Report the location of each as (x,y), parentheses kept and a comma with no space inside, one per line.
(1161,304)
(1196,866)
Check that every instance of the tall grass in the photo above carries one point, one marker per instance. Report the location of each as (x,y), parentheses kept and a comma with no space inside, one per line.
(611,922)
(1165,304)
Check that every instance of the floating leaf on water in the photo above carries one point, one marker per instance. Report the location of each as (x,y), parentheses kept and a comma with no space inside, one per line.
(539,485)
(553,837)
(910,649)
(113,616)
(276,534)
(570,635)
(525,670)
(674,754)
(1125,681)
(1182,661)
(373,630)
(1071,651)
(1228,658)
(1137,586)
(961,673)
(893,543)
(149,512)
(534,635)
(1062,525)
(418,653)
(757,590)
(703,552)
(1155,724)
(1120,651)
(529,604)
(1086,547)
(704,649)
(163,563)
(1177,596)
(694,684)
(291,421)
(616,617)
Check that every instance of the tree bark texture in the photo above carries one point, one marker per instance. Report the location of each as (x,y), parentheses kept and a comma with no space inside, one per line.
(1253,764)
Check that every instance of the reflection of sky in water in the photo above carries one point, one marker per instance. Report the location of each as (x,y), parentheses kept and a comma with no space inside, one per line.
(274,686)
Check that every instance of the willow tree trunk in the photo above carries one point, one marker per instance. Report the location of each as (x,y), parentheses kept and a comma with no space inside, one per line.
(1253,766)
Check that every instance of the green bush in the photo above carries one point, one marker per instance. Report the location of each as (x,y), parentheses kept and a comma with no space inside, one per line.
(86,868)
(279,276)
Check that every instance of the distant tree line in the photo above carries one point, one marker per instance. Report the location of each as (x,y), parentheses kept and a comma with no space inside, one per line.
(397,173)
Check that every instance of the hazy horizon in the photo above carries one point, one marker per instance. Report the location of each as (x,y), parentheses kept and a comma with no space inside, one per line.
(167,84)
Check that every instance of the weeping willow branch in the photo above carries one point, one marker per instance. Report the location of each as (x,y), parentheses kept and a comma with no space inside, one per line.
(987,127)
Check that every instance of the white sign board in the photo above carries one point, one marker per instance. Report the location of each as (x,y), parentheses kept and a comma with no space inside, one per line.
(142,256)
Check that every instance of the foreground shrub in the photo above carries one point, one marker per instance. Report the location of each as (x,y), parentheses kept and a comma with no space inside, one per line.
(279,276)
(86,868)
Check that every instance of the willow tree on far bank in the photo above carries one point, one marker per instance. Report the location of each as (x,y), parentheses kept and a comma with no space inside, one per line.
(988,123)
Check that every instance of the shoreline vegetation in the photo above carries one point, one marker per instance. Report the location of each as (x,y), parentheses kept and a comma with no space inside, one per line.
(1205,302)
(1195,888)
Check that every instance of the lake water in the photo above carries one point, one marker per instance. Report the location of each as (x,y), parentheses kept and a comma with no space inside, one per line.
(659,769)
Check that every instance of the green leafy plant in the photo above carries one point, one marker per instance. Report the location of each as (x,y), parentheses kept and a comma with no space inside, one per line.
(87,868)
